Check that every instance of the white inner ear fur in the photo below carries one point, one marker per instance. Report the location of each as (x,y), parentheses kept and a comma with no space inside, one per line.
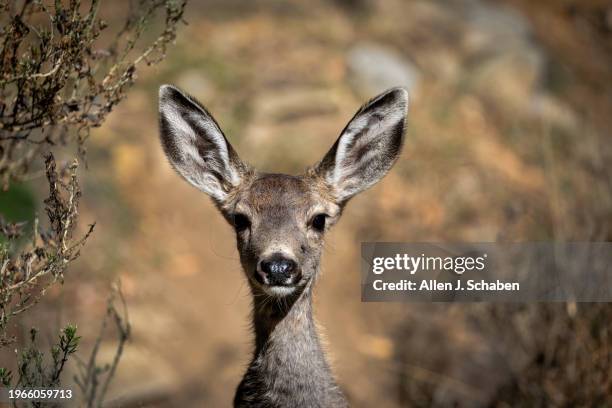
(193,167)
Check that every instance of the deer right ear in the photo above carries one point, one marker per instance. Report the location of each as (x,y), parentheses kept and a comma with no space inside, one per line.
(196,146)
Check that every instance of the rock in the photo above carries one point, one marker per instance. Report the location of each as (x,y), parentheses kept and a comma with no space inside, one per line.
(509,79)
(492,27)
(374,68)
(291,104)
(552,111)
(505,66)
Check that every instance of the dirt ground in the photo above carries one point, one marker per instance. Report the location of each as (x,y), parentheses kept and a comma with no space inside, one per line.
(495,141)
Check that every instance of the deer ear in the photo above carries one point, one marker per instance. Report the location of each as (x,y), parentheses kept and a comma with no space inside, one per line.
(367,147)
(196,146)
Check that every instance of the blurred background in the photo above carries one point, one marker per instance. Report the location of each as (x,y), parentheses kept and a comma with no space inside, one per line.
(508,139)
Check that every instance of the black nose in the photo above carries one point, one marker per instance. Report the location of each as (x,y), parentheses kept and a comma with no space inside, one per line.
(278,269)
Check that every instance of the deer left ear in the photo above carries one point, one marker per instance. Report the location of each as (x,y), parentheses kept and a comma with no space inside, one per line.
(367,147)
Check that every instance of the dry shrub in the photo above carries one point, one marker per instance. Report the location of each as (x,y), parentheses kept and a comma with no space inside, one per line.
(571,356)
(57,81)
(26,275)
(62,71)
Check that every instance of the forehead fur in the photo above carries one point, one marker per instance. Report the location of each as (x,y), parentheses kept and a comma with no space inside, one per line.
(265,192)
(278,190)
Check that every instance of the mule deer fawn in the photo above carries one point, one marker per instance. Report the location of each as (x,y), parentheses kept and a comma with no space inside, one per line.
(280,221)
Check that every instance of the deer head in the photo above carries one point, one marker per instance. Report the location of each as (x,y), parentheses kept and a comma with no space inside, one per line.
(280,220)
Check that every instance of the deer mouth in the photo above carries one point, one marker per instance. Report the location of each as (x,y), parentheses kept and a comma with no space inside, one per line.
(279,290)
(276,289)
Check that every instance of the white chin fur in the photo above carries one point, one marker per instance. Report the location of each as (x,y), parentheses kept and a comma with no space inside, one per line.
(278,291)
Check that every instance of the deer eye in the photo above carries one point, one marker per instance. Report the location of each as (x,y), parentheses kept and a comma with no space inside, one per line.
(318,222)
(241,222)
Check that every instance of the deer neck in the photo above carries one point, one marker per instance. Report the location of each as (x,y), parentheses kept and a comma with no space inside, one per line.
(288,366)
(285,320)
